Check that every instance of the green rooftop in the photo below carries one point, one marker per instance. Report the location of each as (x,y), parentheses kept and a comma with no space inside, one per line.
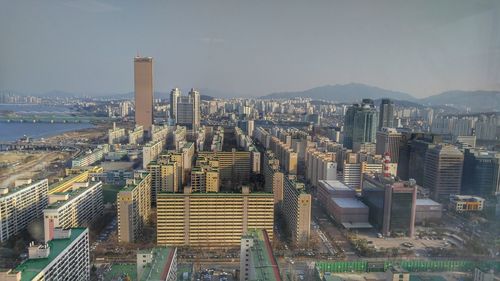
(162,258)
(30,268)
(263,259)
(120,270)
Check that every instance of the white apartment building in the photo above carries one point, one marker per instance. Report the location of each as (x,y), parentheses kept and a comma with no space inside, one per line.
(78,207)
(66,257)
(21,205)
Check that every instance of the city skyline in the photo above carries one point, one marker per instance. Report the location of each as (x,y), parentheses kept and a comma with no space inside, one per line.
(432,48)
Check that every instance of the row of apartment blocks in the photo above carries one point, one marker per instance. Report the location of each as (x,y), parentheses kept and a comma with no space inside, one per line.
(234,166)
(245,142)
(217,140)
(280,167)
(212,219)
(289,146)
(90,157)
(170,171)
(69,205)
(72,202)
(205,175)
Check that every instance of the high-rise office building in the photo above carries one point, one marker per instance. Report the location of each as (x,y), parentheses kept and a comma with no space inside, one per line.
(20,205)
(195,97)
(174,96)
(360,124)
(184,116)
(143,83)
(388,141)
(134,207)
(412,151)
(443,171)
(65,257)
(212,219)
(79,207)
(386,115)
(481,174)
(392,204)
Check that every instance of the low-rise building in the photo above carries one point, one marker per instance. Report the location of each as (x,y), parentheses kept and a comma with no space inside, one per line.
(466,203)
(428,210)
(341,203)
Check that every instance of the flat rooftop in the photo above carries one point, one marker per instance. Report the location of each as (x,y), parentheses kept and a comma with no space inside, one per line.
(72,194)
(334,185)
(426,202)
(120,270)
(160,266)
(31,267)
(12,189)
(348,203)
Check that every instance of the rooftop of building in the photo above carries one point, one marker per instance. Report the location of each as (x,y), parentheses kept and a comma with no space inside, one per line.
(129,186)
(143,59)
(469,198)
(334,185)
(31,267)
(119,270)
(71,195)
(380,180)
(348,203)
(426,202)
(162,259)
(264,262)
(215,194)
(14,189)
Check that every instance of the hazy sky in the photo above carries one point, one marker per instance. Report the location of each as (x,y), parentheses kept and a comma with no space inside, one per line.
(250,47)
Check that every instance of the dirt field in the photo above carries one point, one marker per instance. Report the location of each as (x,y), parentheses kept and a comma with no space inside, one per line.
(22,164)
(85,135)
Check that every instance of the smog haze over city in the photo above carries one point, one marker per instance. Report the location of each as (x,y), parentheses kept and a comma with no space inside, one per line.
(250,48)
(250,140)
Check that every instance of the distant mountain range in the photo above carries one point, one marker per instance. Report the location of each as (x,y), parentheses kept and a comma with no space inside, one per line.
(476,101)
(344,93)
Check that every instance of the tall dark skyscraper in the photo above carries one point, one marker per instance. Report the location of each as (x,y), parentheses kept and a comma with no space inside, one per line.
(443,171)
(481,172)
(143,83)
(386,116)
(360,123)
